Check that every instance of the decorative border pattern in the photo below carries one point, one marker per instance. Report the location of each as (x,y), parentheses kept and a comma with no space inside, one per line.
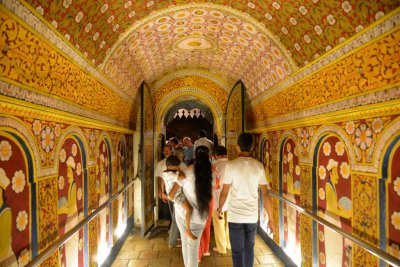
(183,73)
(61,43)
(362,39)
(35,98)
(358,101)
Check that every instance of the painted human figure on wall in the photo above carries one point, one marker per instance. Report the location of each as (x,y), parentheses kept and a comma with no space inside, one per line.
(15,225)
(266,159)
(7,257)
(70,201)
(334,202)
(103,193)
(291,191)
(120,173)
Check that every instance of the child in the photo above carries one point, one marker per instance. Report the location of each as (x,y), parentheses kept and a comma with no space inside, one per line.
(170,176)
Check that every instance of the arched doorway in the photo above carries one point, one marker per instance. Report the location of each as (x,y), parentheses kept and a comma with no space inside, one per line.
(187,119)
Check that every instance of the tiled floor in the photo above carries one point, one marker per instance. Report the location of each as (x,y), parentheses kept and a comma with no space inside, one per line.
(142,252)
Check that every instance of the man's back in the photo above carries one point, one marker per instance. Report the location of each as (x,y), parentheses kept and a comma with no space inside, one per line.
(245,174)
(204,142)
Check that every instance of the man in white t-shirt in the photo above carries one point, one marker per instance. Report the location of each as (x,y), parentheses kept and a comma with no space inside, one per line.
(220,223)
(203,141)
(242,177)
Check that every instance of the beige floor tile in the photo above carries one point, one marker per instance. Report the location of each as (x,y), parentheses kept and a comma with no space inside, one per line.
(148,254)
(158,262)
(138,263)
(268,259)
(128,254)
(120,263)
(141,247)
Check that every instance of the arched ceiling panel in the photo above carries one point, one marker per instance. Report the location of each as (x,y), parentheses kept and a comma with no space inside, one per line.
(308,28)
(206,36)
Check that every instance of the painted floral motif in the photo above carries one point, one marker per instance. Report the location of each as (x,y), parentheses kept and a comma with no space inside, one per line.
(377,125)
(79,193)
(57,130)
(345,170)
(321,236)
(74,150)
(18,181)
(5,150)
(321,193)
(23,258)
(47,139)
(79,168)
(363,136)
(297,169)
(63,155)
(326,149)
(61,182)
(322,172)
(397,186)
(80,244)
(339,148)
(350,127)
(36,127)
(395,219)
(304,138)
(22,220)
(322,258)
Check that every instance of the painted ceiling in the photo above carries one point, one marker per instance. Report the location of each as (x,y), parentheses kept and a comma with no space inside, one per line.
(260,42)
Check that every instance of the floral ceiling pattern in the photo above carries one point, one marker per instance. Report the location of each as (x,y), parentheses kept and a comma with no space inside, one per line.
(304,30)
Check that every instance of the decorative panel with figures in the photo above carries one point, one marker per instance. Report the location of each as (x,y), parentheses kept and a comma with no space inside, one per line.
(71,201)
(16,214)
(290,184)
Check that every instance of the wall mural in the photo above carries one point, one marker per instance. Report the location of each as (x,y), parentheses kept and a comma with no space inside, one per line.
(70,201)
(390,229)
(265,158)
(346,199)
(290,183)
(103,192)
(234,119)
(334,204)
(121,181)
(15,209)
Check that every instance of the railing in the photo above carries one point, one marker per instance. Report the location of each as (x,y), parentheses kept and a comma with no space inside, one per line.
(54,246)
(371,249)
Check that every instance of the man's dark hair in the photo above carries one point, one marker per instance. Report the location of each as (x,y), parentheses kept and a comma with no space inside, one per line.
(173,161)
(202,133)
(174,140)
(220,151)
(245,142)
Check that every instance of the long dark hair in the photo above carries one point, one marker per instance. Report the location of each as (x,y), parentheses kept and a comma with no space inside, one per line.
(203,179)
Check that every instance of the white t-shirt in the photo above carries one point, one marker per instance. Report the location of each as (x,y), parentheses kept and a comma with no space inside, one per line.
(188,187)
(161,167)
(244,174)
(204,142)
(218,169)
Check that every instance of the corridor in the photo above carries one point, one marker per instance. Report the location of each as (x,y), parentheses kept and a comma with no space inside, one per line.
(91,90)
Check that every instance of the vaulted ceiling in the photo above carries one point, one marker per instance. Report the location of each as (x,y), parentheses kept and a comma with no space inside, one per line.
(260,42)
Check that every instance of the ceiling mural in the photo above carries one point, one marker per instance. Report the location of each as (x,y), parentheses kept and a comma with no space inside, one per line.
(216,39)
(306,28)
(260,42)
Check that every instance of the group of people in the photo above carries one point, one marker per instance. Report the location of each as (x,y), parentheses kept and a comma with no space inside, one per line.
(201,185)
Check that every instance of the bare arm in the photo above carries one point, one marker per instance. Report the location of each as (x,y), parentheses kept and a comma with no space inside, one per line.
(173,191)
(161,189)
(223,196)
(267,202)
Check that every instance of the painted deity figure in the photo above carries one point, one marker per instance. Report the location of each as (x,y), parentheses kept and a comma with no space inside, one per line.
(101,189)
(120,177)
(7,257)
(292,190)
(333,241)
(69,206)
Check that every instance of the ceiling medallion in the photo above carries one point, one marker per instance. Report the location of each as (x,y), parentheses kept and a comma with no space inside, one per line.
(197,43)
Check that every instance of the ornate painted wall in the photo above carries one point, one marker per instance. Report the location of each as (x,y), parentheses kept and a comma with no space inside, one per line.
(53,175)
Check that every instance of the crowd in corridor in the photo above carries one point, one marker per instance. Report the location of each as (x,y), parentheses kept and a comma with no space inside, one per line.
(203,188)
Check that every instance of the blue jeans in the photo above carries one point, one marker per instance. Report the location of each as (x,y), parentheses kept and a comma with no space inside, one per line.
(242,236)
(173,231)
(190,248)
